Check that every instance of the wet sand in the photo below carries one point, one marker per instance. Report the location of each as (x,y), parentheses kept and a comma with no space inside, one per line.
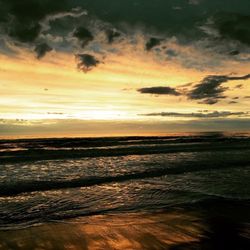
(220,225)
(131,231)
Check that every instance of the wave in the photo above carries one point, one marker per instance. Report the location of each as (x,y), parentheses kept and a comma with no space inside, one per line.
(115,141)
(140,147)
(11,189)
(201,203)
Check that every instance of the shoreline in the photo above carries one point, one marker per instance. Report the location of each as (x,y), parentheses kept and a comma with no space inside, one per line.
(207,225)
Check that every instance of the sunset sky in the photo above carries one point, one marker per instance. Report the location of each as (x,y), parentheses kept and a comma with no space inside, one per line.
(128,67)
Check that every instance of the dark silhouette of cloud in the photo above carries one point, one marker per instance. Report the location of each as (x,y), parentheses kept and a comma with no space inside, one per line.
(214,114)
(210,89)
(235,78)
(159,91)
(86,62)
(83,35)
(152,42)
(41,49)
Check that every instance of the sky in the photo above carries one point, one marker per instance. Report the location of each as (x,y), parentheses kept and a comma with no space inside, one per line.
(123,67)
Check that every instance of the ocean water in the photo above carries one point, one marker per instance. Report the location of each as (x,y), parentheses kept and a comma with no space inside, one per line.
(53,180)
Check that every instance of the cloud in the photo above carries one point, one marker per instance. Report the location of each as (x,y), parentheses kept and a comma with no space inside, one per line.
(29,23)
(171,53)
(86,62)
(41,49)
(210,89)
(235,78)
(21,19)
(159,91)
(152,42)
(83,35)
(5,48)
(214,114)
(234,26)
(112,34)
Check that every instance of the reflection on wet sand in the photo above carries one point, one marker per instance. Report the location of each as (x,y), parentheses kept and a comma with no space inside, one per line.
(214,225)
(131,231)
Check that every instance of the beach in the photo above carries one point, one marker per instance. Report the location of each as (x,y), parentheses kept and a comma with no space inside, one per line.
(215,224)
(175,192)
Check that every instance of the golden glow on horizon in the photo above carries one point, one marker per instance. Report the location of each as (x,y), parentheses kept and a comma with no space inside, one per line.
(53,88)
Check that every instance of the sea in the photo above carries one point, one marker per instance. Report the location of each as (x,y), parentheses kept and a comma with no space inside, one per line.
(56,180)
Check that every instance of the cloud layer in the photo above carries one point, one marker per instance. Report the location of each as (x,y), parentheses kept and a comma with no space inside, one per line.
(209,26)
(214,114)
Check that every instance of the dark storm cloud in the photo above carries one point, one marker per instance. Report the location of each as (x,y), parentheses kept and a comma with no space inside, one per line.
(32,22)
(83,35)
(234,26)
(159,91)
(210,89)
(21,19)
(86,62)
(152,42)
(214,114)
(25,33)
(41,49)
